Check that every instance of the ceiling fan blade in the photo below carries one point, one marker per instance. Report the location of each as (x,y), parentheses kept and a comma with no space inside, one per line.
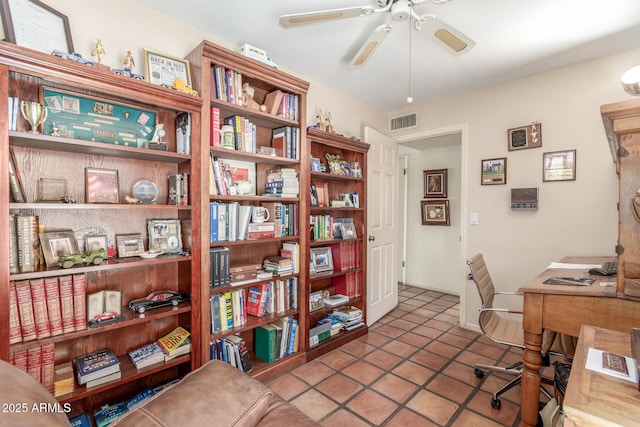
(324,15)
(373,42)
(450,37)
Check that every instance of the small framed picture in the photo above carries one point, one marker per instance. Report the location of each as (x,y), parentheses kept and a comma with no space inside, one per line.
(161,69)
(559,166)
(315,165)
(242,176)
(494,171)
(435,183)
(95,243)
(316,301)
(348,230)
(113,302)
(165,235)
(129,245)
(435,212)
(57,244)
(101,186)
(314,195)
(523,137)
(52,190)
(322,259)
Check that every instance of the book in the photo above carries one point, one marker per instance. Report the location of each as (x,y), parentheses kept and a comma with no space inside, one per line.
(39,300)
(34,362)
(139,398)
(79,302)
(265,343)
(108,414)
(257,299)
(183,133)
(215,127)
(173,339)
(25,310)
(52,293)
(243,360)
(81,420)
(28,242)
(273,100)
(15,183)
(576,281)
(65,284)
(15,333)
(104,379)
(96,365)
(335,300)
(147,355)
(184,348)
(14,266)
(63,379)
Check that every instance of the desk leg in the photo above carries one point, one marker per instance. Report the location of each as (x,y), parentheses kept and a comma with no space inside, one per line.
(531,378)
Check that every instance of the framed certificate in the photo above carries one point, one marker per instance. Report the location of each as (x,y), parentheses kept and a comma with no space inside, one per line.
(161,69)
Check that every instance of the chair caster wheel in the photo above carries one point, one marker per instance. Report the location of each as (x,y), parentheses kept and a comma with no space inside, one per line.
(495,403)
(479,373)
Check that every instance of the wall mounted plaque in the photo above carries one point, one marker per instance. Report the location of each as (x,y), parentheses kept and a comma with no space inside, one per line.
(523,137)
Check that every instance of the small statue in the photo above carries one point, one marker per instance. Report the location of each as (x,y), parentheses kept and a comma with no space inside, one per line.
(319,120)
(247,98)
(98,50)
(132,200)
(129,63)
(329,126)
(55,130)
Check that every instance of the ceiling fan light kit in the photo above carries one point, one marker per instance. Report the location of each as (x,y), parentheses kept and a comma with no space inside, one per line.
(631,81)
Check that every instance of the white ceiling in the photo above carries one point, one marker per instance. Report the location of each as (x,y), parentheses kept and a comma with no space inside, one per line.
(515,38)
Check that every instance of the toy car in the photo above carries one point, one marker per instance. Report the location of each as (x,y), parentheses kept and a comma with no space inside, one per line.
(72,56)
(127,72)
(93,257)
(104,318)
(157,299)
(180,85)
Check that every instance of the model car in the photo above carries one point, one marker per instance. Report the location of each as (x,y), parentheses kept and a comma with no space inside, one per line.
(93,257)
(157,299)
(73,56)
(180,85)
(127,72)
(104,318)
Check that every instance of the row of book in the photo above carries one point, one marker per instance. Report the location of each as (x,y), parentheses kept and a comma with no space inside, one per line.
(232,221)
(282,182)
(45,307)
(244,138)
(175,343)
(232,350)
(13,108)
(327,227)
(277,339)
(347,284)
(286,141)
(37,361)
(24,243)
(221,178)
(345,255)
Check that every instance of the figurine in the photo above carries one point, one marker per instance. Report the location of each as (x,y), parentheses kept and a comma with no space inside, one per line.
(329,126)
(98,50)
(129,63)
(158,133)
(247,98)
(132,200)
(55,130)
(319,120)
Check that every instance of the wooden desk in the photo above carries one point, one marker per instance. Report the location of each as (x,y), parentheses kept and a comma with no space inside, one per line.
(596,399)
(565,309)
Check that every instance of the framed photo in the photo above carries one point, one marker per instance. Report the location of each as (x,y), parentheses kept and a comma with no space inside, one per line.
(161,69)
(95,243)
(494,171)
(113,301)
(559,166)
(57,244)
(435,183)
(52,190)
(101,186)
(314,195)
(435,212)
(33,24)
(523,137)
(165,235)
(315,301)
(129,245)
(348,230)
(241,173)
(315,165)
(322,259)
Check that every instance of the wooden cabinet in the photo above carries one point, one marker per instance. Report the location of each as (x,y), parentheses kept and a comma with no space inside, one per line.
(338,195)
(622,125)
(215,68)
(25,74)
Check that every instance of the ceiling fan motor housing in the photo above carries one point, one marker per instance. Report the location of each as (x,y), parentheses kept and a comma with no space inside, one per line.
(401,10)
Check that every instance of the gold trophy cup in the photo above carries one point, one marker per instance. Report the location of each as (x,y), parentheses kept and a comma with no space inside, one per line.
(35,113)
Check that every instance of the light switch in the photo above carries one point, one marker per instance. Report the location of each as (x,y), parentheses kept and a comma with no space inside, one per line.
(474,218)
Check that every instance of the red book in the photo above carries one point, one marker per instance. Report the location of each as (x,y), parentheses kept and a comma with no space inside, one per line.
(47,370)
(79,302)
(257,299)
(215,127)
(53,305)
(34,362)
(20,359)
(39,299)
(25,309)
(66,303)
(15,333)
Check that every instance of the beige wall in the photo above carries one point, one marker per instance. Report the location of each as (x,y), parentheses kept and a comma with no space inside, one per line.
(575,217)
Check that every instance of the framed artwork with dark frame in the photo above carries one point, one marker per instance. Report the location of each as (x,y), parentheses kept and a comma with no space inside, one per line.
(494,171)
(33,24)
(435,212)
(529,136)
(322,259)
(56,244)
(101,186)
(559,166)
(435,183)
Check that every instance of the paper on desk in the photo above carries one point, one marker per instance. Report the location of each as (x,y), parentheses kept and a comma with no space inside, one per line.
(594,363)
(568,266)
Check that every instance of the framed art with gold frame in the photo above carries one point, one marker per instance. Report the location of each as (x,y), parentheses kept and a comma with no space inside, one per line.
(56,244)
(435,212)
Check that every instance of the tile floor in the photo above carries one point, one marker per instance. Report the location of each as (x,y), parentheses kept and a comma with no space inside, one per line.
(414,367)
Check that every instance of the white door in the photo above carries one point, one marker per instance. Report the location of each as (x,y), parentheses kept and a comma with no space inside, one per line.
(382,224)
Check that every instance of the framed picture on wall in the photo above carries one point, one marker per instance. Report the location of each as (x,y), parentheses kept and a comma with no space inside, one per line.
(435,183)
(435,212)
(559,166)
(494,171)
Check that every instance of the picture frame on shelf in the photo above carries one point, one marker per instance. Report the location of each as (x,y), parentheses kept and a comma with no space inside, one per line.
(56,244)
(314,196)
(435,212)
(95,243)
(559,166)
(322,259)
(523,137)
(33,24)
(494,171)
(52,190)
(348,230)
(316,301)
(129,244)
(161,69)
(435,183)
(101,186)
(165,235)
(315,165)
(243,176)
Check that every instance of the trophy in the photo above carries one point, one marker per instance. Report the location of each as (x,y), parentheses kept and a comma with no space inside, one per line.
(35,113)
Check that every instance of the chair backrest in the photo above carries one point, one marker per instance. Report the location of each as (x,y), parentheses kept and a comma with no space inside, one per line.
(482,279)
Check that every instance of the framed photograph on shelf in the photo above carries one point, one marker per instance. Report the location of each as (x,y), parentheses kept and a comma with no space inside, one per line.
(435,212)
(523,137)
(165,235)
(494,171)
(315,165)
(129,245)
(243,176)
(559,166)
(435,183)
(101,186)
(348,230)
(161,69)
(57,244)
(95,243)
(33,24)
(322,259)
(316,301)
(52,190)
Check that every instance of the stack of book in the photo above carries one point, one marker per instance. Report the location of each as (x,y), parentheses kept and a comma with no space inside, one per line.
(97,368)
(147,355)
(349,317)
(278,265)
(175,343)
(282,182)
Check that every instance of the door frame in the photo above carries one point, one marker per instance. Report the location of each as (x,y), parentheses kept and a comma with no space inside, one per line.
(462,129)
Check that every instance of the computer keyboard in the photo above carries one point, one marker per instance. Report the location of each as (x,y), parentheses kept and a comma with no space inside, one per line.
(611,266)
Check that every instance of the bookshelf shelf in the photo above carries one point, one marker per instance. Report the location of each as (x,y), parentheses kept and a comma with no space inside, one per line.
(255,242)
(252,157)
(97,206)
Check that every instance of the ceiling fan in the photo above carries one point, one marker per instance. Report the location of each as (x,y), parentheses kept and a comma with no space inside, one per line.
(400,10)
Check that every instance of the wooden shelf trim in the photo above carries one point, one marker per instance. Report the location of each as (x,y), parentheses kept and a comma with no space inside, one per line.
(96,206)
(334,273)
(333,140)
(324,176)
(325,242)
(254,242)
(219,198)
(248,285)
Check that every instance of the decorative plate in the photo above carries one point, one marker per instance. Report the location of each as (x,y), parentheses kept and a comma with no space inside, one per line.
(146,192)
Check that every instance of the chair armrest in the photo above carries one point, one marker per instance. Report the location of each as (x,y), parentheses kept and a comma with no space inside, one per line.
(502,310)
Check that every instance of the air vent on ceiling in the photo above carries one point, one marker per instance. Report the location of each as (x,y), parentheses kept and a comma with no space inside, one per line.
(403,122)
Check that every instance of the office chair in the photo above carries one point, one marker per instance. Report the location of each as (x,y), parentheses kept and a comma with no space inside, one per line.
(509,331)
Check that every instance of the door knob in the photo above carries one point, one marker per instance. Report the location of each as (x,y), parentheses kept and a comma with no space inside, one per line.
(372,238)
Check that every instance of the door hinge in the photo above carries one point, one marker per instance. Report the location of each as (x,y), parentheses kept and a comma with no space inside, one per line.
(403,263)
(404,171)
(619,249)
